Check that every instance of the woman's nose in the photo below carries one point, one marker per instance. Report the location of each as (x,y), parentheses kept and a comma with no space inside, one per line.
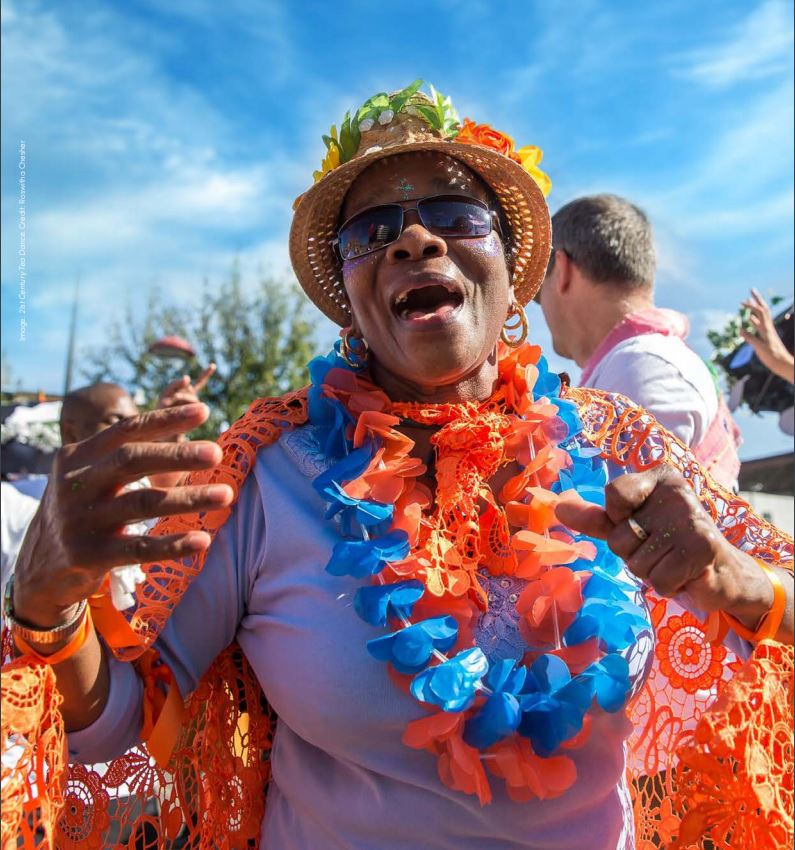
(415,242)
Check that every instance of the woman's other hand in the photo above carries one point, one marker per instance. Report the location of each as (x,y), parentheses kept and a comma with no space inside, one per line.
(77,535)
(655,523)
(765,341)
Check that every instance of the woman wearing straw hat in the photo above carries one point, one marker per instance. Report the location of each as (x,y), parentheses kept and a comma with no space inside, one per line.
(436,587)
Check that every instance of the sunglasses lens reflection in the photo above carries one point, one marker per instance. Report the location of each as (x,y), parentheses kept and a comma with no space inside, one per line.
(373,229)
(455,217)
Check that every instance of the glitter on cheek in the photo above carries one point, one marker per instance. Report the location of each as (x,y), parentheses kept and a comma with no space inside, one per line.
(488,246)
(349,265)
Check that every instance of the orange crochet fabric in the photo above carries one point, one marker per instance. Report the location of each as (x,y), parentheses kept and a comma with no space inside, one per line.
(212,791)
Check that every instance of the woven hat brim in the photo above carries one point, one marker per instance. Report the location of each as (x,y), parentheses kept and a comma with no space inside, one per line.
(316,221)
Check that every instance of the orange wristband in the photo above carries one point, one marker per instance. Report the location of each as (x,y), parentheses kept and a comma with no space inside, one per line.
(75,643)
(769,624)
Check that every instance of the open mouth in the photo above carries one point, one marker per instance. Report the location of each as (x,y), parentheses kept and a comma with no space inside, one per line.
(432,301)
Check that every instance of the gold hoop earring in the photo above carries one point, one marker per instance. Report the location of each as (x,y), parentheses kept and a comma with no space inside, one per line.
(353,349)
(516,320)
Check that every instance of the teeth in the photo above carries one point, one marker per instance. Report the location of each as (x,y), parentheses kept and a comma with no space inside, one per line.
(403,297)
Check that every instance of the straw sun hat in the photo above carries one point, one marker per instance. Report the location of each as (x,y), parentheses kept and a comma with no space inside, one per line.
(406,122)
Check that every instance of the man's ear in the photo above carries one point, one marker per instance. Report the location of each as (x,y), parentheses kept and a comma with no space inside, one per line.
(67,432)
(562,272)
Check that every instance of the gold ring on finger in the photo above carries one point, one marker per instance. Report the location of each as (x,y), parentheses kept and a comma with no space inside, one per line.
(637,529)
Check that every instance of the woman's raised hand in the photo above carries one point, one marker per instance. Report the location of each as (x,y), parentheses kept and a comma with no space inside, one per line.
(77,535)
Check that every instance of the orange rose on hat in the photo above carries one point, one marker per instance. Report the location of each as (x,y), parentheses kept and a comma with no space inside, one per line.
(488,137)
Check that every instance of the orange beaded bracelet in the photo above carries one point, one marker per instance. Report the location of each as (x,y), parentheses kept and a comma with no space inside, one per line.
(769,624)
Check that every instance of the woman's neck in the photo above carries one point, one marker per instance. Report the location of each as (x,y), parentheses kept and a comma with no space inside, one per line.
(477,385)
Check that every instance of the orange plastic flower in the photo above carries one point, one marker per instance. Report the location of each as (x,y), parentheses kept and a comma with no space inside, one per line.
(482,134)
(459,764)
(385,482)
(577,657)
(528,776)
(539,513)
(549,605)
(686,657)
(548,551)
(374,423)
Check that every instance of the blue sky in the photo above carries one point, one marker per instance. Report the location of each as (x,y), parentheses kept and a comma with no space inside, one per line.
(164,139)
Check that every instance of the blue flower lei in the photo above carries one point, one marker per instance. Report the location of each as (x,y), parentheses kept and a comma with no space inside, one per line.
(542,702)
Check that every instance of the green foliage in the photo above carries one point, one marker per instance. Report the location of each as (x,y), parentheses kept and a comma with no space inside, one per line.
(261,341)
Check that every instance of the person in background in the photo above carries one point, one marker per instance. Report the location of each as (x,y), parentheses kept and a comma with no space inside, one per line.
(598,300)
(765,341)
(16,512)
(89,410)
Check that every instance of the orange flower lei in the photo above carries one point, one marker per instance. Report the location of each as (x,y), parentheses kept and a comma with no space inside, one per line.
(431,569)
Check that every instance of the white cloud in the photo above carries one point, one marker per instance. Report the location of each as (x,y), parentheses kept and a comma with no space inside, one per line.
(757,47)
(740,185)
(130,182)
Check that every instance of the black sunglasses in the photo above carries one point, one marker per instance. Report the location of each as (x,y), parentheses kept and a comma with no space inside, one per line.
(450,216)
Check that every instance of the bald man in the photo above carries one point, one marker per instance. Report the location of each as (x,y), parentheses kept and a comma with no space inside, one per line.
(89,410)
(92,409)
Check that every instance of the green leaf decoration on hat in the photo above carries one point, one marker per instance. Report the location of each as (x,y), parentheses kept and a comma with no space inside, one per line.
(437,111)
(446,117)
(398,101)
(349,138)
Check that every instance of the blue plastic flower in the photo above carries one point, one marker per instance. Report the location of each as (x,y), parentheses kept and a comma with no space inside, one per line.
(320,366)
(587,475)
(452,684)
(500,714)
(329,416)
(330,420)
(610,681)
(604,562)
(410,649)
(617,624)
(553,705)
(567,411)
(329,485)
(360,558)
(547,383)
(376,603)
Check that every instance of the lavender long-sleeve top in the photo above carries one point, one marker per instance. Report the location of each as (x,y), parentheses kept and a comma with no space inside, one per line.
(341,777)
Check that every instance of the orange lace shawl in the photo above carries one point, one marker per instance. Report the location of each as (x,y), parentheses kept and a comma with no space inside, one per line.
(710,758)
